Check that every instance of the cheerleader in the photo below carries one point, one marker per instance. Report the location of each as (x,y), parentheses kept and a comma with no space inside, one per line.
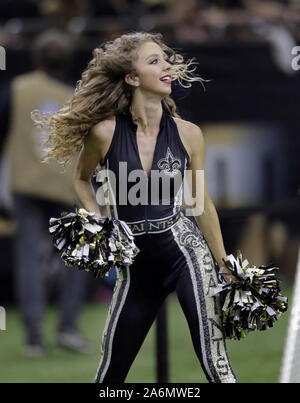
(124,125)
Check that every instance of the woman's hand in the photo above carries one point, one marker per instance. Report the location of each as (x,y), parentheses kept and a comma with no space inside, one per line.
(227,275)
(99,219)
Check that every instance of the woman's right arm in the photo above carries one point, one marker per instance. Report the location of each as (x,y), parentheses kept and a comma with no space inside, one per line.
(94,147)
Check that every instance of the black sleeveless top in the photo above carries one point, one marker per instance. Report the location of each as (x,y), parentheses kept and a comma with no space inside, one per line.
(133,195)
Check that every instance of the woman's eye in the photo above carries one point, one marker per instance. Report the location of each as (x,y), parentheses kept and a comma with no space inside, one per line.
(166,59)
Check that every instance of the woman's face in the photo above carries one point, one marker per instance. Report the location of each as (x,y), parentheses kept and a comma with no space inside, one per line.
(151,66)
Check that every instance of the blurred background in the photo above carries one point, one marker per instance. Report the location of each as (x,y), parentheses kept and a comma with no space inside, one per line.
(249,115)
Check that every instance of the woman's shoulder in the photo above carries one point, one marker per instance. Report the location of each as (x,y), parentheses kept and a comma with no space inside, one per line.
(186,125)
(190,133)
(101,135)
(105,128)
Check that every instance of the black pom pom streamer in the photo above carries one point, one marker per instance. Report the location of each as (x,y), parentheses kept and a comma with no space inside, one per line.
(92,245)
(253,301)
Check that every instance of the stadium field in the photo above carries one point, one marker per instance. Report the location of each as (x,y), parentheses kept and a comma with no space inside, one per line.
(256,358)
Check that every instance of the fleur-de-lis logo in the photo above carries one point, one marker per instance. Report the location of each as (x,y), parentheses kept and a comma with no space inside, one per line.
(170,164)
(191,236)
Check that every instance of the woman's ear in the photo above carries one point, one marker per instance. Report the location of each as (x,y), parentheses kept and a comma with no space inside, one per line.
(126,79)
(130,79)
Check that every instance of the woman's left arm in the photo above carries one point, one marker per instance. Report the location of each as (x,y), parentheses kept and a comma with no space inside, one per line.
(207,220)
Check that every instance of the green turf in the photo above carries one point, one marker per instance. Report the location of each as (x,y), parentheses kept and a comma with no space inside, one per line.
(254,359)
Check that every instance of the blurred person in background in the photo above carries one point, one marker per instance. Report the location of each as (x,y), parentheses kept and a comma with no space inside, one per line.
(40,191)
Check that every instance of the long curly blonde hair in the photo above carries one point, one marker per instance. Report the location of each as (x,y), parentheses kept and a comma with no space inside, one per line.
(102,91)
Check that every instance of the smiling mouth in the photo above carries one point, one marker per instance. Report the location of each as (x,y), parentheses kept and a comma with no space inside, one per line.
(166,80)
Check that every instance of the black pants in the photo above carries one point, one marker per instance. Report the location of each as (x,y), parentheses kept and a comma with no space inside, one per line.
(32,245)
(175,260)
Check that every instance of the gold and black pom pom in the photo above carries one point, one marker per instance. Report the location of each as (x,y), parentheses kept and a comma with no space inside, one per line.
(92,245)
(252,302)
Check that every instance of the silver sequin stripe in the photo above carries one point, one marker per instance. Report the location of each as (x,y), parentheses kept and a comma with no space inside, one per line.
(111,196)
(203,276)
(117,303)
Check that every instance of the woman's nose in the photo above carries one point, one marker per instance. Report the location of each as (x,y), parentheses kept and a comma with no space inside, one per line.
(167,65)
